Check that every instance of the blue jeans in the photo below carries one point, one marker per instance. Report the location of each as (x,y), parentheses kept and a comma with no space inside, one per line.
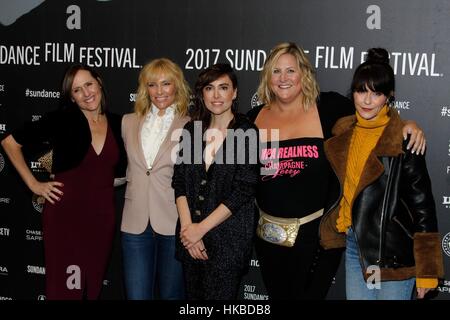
(150,264)
(358,289)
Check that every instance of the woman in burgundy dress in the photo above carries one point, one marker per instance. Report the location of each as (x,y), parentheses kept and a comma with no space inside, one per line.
(88,152)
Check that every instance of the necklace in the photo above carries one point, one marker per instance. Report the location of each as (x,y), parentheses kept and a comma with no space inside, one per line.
(96,121)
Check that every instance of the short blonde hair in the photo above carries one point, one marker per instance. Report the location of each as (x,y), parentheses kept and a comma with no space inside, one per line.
(170,69)
(310,87)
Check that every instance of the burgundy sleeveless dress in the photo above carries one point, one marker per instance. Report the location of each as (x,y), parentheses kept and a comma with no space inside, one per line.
(79,229)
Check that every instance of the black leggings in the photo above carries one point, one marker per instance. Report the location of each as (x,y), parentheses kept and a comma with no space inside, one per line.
(304,271)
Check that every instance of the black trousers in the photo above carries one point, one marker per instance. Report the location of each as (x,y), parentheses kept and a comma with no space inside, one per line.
(302,272)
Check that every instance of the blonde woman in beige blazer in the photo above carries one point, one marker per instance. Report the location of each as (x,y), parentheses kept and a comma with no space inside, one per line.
(150,213)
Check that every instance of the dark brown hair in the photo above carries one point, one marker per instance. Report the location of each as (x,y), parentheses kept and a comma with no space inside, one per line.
(375,74)
(205,77)
(66,88)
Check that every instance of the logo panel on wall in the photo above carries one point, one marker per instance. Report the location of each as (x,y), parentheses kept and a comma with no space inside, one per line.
(255,100)
(449,148)
(445,111)
(36,167)
(446,201)
(445,287)
(35,269)
(38,202)
(5,200)
(2,162)
(446,244)
(3,271)
(33,235)
(401,105)
(4,232)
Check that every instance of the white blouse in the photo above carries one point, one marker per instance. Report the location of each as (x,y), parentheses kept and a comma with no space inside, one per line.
(154,131)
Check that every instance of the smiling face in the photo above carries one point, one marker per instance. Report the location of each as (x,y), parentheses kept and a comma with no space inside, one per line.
(285,80)
(161,90)
(369,103)
(218,95)
(86,91)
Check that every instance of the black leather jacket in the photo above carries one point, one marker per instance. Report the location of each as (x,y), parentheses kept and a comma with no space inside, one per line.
(393,214)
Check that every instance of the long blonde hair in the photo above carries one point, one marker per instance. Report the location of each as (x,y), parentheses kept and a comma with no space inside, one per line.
(171,70)
(310,87)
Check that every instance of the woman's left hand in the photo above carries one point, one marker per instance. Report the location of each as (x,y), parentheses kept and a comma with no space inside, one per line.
(421,292)
(198,251)
(191,234)
(417,139)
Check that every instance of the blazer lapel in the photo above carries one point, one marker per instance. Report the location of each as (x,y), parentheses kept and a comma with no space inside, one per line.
(176,124)
(141,156)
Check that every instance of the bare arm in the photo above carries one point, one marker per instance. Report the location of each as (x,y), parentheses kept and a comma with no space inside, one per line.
(191,234)
(197,250)
(46,189)
(183,211)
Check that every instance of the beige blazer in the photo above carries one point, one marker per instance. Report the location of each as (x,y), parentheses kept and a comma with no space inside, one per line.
(149,195)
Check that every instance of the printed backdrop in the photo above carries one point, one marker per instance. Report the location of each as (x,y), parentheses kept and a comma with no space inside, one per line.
(39,39)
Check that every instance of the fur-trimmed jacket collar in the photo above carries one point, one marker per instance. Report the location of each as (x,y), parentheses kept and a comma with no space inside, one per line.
(393,212)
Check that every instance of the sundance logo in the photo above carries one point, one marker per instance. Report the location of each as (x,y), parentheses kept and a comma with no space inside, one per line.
(5,298)
(446,244)
(4,232)
(3,271)
(35,269)
(38,202)
(401,105)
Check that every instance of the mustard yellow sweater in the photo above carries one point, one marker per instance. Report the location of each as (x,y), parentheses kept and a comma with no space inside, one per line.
(364,139)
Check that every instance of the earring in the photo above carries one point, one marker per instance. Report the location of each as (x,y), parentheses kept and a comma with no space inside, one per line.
(390,101)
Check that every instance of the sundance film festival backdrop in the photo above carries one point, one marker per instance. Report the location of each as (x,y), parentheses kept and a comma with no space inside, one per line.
(39,39)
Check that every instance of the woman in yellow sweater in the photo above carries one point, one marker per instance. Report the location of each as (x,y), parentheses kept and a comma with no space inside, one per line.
(386,217)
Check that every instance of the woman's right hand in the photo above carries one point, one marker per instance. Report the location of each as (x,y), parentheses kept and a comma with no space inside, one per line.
(48,190)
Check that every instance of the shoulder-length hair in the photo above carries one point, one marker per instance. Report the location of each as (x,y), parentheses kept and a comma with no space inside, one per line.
(66,88)
(205,77)
(153,69)
(310,87)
